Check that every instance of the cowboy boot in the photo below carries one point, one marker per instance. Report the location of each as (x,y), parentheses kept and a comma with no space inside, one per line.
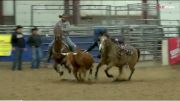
(49,54)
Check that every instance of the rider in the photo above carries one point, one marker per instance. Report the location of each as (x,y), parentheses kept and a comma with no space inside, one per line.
(103,31)
(65,26)
(99,31)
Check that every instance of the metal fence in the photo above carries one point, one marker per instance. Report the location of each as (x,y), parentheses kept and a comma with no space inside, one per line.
(145,37)
(106,13)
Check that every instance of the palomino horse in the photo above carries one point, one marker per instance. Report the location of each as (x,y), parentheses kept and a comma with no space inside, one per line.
(113,55)
(58,48)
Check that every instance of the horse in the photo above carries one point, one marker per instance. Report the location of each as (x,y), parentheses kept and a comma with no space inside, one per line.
(113,55)
(80,62)
(57,48)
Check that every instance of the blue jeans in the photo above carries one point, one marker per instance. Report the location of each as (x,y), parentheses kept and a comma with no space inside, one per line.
(71,45)
(36,57)
(68,41)
(17,61)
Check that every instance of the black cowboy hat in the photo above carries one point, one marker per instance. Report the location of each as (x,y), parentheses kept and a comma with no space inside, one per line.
(18,27)
(34,29)
(64,16)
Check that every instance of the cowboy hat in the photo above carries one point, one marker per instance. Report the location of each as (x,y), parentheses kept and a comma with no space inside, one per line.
(18,27)
(64,16)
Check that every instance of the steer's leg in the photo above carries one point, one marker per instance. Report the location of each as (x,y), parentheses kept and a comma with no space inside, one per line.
(97,70)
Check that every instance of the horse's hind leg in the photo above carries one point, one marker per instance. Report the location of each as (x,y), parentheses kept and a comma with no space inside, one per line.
(107,69)
(132,71)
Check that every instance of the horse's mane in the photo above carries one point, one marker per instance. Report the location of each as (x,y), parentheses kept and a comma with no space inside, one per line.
(58,30)
(58,39)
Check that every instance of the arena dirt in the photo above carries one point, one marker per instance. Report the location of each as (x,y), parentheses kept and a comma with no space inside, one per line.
(148,82)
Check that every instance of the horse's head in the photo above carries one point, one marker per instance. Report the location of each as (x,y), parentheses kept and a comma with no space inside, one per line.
(58,33)
(104,42)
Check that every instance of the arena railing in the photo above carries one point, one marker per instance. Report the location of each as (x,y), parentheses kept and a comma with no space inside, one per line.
(145,37)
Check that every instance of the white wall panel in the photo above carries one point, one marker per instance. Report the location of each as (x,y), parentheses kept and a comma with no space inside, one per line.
(23,12)
(49,17)
(170,10)
(8,8)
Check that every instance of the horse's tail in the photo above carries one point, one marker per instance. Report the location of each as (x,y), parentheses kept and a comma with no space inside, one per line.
(138,51)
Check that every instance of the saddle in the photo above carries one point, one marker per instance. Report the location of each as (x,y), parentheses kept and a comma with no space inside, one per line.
(123,46)
(65,45)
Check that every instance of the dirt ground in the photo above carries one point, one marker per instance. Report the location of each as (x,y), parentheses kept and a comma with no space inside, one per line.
(148,82)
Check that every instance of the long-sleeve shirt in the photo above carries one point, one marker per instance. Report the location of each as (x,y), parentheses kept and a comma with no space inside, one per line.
(34,40)
(65,26)
(17,40)
(95,44)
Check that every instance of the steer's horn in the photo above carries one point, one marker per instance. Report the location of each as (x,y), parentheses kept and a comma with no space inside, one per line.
(64,53)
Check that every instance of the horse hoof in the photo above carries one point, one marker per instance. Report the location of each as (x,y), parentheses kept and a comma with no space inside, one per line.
(69,71)
(110,76)
(89,79)
(61,73)
(81,81)
(119,80)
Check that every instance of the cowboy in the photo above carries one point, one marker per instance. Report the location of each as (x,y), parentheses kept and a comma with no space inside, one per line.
(18,44)
(99,31)
(103,31)
(64,24)
(35,42)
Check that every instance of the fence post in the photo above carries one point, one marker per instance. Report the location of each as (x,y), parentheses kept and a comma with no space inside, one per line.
(76,12)
(66,7)
(32,15)
(179,30)
(1,12)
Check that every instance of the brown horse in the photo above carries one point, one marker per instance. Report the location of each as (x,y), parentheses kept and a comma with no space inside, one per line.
(81,62)
(113,55)
(58,48)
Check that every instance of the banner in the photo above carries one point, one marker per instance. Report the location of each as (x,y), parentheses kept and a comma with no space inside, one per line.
(174,50)
(5,44)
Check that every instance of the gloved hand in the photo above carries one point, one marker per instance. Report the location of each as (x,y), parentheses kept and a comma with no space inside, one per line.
(85,51)
(99,56)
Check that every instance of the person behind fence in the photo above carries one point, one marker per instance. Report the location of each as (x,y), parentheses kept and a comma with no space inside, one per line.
(64,24)
(18,46)
(35,42)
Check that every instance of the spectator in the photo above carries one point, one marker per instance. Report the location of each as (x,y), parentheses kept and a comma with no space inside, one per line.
(18,44)
(35,42)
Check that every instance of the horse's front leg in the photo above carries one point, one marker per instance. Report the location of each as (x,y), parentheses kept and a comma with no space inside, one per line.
(97,70)
(119,78)
(109,66)
(55,67)
(67,67)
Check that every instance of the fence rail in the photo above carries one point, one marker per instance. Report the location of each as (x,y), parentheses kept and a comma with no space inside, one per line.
(146,37)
